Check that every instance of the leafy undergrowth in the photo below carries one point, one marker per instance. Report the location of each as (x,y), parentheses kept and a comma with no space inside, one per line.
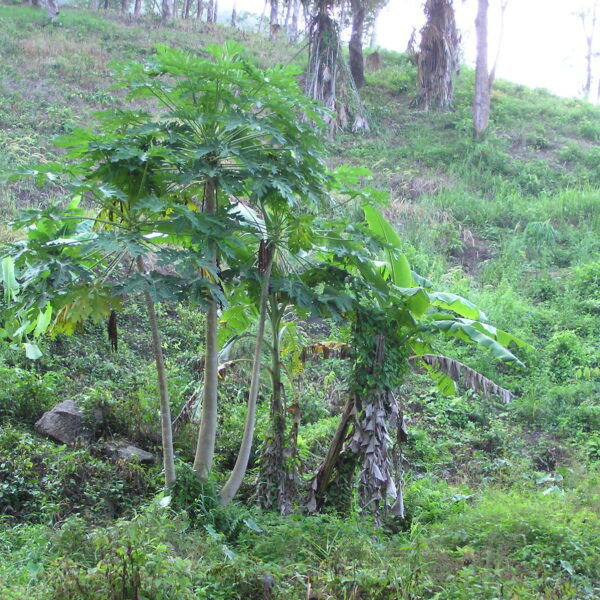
(502,500)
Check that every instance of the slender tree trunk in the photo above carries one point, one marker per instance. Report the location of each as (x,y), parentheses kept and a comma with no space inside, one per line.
(272,487)
(373,29)
(165,409)
(588,20)
(210,11)
(234,15)
(187,4)
(215,17)
(205,448)
(125,6)
(262,16)
(293,32)
(199,9)
(167,10)
(288,13)
(355,47)
(273,19)
(481,100)
(137,8)
(241,464)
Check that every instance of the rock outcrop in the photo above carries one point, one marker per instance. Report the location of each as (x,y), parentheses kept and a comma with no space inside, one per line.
(64,423)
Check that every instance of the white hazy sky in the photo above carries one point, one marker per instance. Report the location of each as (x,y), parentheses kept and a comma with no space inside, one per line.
(543,44)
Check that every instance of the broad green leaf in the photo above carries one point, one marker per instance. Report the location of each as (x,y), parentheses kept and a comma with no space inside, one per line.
(457,304)
(43,321)
(468,333)
(397,262)
(9,282)
(32,351)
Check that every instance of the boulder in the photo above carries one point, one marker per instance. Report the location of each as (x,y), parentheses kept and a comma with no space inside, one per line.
(63,423)
(126,451)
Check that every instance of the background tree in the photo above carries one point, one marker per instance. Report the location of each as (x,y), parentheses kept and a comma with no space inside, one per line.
(363,12)
(437,58)
(588,18)
(328,78)
(484,78)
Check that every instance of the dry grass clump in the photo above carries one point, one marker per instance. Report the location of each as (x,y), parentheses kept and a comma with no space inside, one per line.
(47,47)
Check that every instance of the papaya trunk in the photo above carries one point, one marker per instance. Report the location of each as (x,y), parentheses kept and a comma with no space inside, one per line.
(272,489)
(205,448)
(241,464)
(165,409)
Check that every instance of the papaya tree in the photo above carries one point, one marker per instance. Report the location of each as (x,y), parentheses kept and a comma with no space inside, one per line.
(126,171)
(243,137)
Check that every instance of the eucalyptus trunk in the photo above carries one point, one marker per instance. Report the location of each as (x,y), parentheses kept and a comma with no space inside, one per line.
(137,8)
(355,47)
(205,448)
(481,100)
(241,464)
(199,9)
(167,10)
(274,19)
(234,14)
(293,29)
(210,11)
(165,409)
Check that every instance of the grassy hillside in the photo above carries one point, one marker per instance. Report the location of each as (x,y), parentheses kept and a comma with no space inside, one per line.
(502,501)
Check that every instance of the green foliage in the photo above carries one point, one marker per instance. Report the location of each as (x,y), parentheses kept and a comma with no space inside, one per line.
(25,394)
(41,482)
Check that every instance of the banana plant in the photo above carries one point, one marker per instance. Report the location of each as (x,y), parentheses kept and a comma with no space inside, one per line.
(396,318)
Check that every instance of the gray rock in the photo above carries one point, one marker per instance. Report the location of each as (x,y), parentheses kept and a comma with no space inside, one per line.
(126,451)
(63,423)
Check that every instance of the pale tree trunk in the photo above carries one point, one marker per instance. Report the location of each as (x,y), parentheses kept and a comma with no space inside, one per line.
(137,8)
(262,16)
(215,11)
(187,5)
(241,464)
(52,10)
(588,21)
(288,13)
(205,448)
(355,47)
(234,15)
(165,409)
(199,9)
(481,100)
(125,6)
(274,19)
(210,11)
(167,10)
(373,29)
(293,31)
